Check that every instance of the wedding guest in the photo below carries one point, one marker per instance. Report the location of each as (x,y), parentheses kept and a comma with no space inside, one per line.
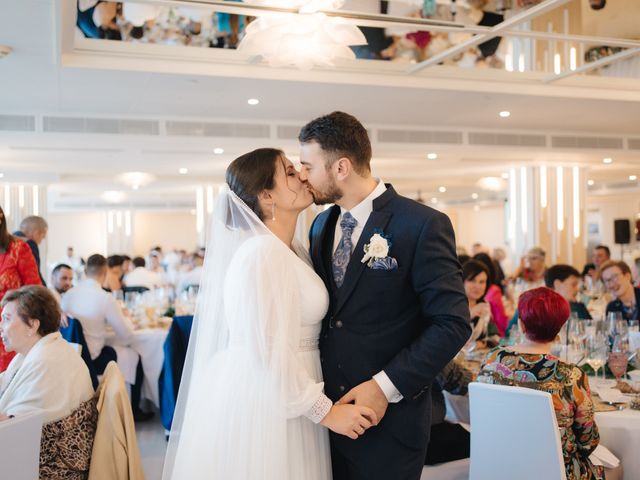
(17,268)
(74,262)
(616,276)
(600,255)
(95,309)
(33,230)
(530,273)
(530,364)
(589,270)
(61,280)
(141,277)
(499,255)
(127,267)
(47,375)
(192,277)
(448,441)
(476,283)
(565,280)
(114,273)
(493,296)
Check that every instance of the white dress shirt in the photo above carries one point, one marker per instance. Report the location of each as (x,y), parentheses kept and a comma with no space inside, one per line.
(361,213)
(94,309)
(190,278)
(141,277)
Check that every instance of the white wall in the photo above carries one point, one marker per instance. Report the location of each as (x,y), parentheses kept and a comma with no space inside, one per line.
(169,230)
(485,225)
(85,232)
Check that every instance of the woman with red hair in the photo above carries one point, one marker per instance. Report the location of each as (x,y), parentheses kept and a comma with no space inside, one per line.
(530,364)
(17,268)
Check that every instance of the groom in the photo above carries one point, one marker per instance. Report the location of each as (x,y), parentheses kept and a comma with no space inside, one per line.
(398,312)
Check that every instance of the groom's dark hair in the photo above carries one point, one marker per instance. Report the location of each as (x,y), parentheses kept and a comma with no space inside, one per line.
(340,135)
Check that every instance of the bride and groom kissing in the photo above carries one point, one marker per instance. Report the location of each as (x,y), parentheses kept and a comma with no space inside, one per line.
(313,364)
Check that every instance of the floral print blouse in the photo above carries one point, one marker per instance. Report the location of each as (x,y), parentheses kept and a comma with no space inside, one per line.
(571,398)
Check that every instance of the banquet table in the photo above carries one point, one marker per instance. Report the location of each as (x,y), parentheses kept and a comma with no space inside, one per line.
(147,342)
(619,431)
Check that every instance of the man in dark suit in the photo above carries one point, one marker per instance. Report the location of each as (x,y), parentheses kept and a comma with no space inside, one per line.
(33,230)
(398,312)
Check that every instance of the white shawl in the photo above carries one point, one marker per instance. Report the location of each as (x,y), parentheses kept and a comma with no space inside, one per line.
(51,377)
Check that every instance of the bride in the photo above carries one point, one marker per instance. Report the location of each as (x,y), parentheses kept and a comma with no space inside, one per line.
(251,403)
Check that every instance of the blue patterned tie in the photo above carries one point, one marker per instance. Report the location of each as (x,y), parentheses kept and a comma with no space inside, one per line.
(342,254)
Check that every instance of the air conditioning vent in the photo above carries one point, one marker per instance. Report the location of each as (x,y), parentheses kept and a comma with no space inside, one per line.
(287,132)
(17,123)
(420,136)
(100,125)
(633,143)
(587,142)
(507,139)
(210,129)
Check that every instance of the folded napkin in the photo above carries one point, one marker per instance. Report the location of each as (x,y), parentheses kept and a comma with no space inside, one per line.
(603,456)
(612,395)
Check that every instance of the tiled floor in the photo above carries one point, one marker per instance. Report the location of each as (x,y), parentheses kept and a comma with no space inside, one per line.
(152,444)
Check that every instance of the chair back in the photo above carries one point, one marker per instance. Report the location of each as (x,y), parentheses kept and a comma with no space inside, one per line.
(514,434)
(133,289)
(73,333)
(20,446)
(175,352)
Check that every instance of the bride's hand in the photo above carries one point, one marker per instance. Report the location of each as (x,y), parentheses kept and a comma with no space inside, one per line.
(350,420)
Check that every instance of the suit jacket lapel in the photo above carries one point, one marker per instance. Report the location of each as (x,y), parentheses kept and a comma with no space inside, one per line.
(323,243)
(377,220)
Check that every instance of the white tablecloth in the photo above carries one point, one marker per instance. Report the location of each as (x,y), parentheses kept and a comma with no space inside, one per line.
(148,343)
(620,433)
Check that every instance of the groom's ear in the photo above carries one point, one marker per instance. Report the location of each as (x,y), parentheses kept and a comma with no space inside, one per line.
(342,168)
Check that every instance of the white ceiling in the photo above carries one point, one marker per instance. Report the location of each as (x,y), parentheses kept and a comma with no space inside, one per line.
(177,83)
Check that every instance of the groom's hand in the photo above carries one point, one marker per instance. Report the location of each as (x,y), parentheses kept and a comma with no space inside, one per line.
(368,394)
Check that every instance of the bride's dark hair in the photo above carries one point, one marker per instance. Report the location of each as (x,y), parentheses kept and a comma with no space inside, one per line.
(253,172)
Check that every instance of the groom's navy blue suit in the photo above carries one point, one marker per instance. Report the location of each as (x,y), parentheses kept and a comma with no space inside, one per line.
(409,322)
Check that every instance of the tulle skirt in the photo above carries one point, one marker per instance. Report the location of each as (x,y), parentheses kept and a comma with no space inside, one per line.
(234,427)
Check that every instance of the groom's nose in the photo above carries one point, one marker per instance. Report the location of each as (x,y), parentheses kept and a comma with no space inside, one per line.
(303,174)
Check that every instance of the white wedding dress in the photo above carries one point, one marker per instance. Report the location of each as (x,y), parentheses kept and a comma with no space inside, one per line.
(250,407)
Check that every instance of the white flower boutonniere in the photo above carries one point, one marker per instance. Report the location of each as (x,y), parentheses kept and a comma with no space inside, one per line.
(376,252)
(376,249)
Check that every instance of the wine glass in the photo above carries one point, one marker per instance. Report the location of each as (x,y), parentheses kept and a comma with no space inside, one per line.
(618,362)
(596,352)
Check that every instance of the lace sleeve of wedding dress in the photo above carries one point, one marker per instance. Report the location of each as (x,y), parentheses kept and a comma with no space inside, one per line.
(241,381)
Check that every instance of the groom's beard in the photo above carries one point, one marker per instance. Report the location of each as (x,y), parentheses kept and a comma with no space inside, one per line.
(332,194)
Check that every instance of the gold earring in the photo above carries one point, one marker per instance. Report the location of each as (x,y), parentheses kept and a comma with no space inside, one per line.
(273,212)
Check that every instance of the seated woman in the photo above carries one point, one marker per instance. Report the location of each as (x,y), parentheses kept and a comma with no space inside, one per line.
(530,364)
(476,284)
(493,295)
(47,374)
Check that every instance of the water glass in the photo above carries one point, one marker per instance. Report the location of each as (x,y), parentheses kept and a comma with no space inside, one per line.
(618,364)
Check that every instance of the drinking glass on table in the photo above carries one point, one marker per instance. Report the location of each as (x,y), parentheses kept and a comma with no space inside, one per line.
(634,326)
(597,352)
(618,362)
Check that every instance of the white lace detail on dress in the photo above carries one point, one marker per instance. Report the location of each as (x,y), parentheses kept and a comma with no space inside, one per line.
(308,344)
(319,409)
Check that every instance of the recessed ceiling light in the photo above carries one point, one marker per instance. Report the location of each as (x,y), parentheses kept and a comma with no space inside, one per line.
(1,175)
(253,101)
(135,187)
(192,211)
(504,175)
(183,171)
(633,178)
(476,208)
(218,151)
(505,114)
(434,200)
(474,196)
(442,189)
(432,156)
(607,160)
(590,183)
